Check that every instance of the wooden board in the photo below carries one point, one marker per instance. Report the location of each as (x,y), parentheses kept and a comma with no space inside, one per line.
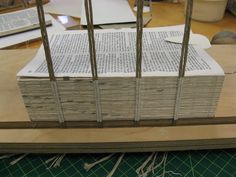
(104,140)
(13,113)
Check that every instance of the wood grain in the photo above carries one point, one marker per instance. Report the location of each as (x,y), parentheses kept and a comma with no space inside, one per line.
(11,104)
(104,140)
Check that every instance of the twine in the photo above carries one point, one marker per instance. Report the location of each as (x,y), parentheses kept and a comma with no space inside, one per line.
(139,58)
(92,52)
(49,60)
(183,58)
(97,101)
(138,100)
(56,94)
(88,166)
(139,38)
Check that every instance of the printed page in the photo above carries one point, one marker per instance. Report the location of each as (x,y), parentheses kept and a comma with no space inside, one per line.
(19,21)
(109,11)
(116,55)
(31,35)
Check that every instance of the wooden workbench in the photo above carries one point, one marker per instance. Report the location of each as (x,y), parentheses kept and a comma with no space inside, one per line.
(28,138)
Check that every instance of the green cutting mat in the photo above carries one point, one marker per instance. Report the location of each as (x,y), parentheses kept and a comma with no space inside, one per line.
(215,163)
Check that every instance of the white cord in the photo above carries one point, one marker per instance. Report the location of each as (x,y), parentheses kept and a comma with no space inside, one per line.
(116,165)
(87,166)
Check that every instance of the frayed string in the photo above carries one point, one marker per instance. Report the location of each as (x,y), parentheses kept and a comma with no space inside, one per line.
(149,166)
(6,156)
(56,161)
(164,164)
(116,165)
(173,173)
(51,159)
(164,159)
(18,159)
(141,168)
(153,162)
(87,166)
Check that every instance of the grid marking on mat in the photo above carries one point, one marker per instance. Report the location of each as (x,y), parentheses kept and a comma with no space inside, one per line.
(220,163)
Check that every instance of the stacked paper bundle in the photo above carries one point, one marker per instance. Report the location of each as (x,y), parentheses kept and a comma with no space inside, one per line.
(198,99)
(116,91)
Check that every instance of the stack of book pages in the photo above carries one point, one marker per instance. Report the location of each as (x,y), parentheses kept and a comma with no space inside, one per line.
(116,62)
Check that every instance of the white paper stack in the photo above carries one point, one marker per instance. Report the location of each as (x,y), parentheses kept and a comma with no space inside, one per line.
(115,51)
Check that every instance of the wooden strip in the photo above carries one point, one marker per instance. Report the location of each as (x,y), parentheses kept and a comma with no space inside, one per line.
(117,123)
(93,140)
(67,148)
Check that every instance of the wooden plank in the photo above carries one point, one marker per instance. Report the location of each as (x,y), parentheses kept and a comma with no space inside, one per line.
(100,140)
